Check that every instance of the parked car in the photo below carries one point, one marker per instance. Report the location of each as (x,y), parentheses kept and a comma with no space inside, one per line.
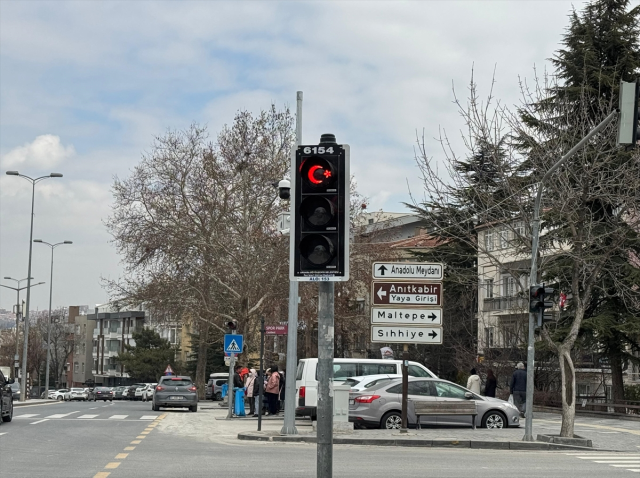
(147,392)
(175,392)
(104,394)
(118,392)
(6,399)
(380,406)
(213,390)
(131,391)
(358,384)
(91,394)
(344,368)
(77,394)
(15,390)
(139,395)
(58,394)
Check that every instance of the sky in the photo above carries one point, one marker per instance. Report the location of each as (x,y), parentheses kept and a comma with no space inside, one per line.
(85,86)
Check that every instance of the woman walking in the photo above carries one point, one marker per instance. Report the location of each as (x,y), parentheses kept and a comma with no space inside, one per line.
(272,390)
(492,384)
(249,381)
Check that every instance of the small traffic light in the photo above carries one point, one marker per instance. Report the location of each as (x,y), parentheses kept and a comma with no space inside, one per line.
(628,133)
(232,325)
(536,298)
(320,211)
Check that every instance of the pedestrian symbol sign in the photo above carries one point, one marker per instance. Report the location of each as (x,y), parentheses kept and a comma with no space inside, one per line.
(168,370)
(233,343)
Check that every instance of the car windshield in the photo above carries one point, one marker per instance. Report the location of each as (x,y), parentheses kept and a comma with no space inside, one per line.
(15,386)
(102,389)
(177,382)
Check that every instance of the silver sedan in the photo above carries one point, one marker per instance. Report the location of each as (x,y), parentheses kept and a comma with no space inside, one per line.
(380,406)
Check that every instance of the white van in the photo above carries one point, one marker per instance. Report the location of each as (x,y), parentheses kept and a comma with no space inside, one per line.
(343,368)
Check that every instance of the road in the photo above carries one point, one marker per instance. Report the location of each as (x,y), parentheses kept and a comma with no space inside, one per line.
(127,439)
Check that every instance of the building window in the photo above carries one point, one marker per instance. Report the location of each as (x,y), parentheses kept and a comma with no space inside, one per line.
(509,336)
(114,345)
(489,288)
(488,241)
(76,367)
(172,336)
(113,326)
(504,238)
(508,286)
(82,367)
(488,337)
(518,230)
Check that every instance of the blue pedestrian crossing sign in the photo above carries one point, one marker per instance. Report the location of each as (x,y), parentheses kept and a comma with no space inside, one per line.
(233,343)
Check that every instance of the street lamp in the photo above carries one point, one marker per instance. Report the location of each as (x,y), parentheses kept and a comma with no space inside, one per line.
(33,181)
(52,246)
(17,289)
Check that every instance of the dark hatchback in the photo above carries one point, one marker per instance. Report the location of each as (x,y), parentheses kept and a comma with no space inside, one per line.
(103,393)
(175,392)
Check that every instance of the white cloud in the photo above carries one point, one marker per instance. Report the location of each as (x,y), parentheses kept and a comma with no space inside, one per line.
(44,152)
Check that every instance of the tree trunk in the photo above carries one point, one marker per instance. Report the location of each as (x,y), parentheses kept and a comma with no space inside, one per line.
(568,378)
(617,385)
(201,365)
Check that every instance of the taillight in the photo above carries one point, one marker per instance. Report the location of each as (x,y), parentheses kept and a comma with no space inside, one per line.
(192,389)
(366,398)
(302,392)
(159,388)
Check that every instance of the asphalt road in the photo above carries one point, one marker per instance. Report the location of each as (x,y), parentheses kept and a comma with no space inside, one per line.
(127,439)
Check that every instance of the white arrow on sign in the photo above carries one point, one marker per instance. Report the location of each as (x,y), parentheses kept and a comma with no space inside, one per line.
(406,334)
(407,316)
(381,293)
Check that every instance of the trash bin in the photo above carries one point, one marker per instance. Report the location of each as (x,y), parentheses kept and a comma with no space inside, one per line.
(225,389)
(239,402)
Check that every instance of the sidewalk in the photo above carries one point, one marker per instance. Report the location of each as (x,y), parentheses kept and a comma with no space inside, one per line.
(212,425)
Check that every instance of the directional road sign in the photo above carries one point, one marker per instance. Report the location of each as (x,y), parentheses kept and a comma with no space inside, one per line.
(406,293)
(233,343)
(406,335)
(407,271)
(406,316)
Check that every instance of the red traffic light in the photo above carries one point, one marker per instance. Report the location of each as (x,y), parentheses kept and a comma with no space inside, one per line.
(316,172)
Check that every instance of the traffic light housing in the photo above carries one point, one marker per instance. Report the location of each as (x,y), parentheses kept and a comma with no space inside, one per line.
(232,325)
(628,132)
(540,298)
(320,211)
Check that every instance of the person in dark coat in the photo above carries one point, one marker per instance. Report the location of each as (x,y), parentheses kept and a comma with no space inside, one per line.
(282,390)
(237,380)
(518,388)
(491,384)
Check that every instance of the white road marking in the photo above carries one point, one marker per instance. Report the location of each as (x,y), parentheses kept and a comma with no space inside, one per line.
(3,434)
(87,416)
(39,421)
(627,462)
(149,417)
(93,408)
(609,457)
(624,466)
(118,417)
(62,415)
(28,415)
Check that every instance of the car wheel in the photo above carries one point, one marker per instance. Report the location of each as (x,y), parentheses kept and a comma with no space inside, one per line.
(391,421)
(218,396)
(155,408)
(494,420)
(194,408)
(59,398)
(9,417)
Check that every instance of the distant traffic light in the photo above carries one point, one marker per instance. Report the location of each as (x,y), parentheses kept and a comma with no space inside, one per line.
(320,211)
(628,133)
(232,325)
(539,300)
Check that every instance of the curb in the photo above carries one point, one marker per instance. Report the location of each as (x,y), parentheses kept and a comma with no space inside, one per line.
(31,403)
(417,442)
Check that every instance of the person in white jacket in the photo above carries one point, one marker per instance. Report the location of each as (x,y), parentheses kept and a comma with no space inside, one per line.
(473,383)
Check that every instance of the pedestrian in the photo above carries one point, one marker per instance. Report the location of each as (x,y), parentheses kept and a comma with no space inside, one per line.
(491,384)
(473,383)
(249,383)
(273,390)
(281,392)
(256,393)
(237,380)
(518,388)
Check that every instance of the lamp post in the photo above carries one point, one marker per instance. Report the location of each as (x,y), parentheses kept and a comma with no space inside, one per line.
(33,181)
(17,289)
(52,246)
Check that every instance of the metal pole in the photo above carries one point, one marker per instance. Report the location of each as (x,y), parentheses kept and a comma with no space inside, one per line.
(533,275)
(16,358)
(23,384)
(405,387)
(325,379)
(232,364)
(260,374)
(49,329)
(289,427)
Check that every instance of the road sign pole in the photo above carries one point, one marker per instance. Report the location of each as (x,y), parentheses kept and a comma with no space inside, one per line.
(230,388)
(325,378)
(289,427)
(405,386)
(260,375)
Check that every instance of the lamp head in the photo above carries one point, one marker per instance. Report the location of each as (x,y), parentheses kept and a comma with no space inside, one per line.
(55,175)
(13,173)
(68,242)
(8,278)
(37,240)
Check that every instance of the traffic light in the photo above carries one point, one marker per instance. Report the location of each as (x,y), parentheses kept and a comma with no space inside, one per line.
(232,325)
(320,211)
(628,133)
(539,298)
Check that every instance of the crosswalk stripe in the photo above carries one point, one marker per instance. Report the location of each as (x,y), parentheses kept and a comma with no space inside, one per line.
(62,415)
(118,417)
(28,415)
(87,416)
(611,462)
(148,417)
(626,464)
(609,457)
(3,434)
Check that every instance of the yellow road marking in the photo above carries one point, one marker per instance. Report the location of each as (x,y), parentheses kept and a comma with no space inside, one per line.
(112,465)
(102,474)
(121,456)
(136,442)
(140,437)
(144,433)
(129,448)
(148,429)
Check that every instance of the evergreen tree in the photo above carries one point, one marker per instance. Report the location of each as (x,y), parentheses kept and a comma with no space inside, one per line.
(147,360)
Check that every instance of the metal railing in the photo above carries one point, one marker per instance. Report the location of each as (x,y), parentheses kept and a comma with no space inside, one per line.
(504,303)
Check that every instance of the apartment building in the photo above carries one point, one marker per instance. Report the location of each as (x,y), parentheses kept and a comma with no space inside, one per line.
(81,359)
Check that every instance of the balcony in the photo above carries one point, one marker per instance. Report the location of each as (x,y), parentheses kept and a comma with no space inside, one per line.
(517,304)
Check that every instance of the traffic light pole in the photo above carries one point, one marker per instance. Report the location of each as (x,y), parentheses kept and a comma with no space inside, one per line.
(533,276)
(289,427)
(325,376)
